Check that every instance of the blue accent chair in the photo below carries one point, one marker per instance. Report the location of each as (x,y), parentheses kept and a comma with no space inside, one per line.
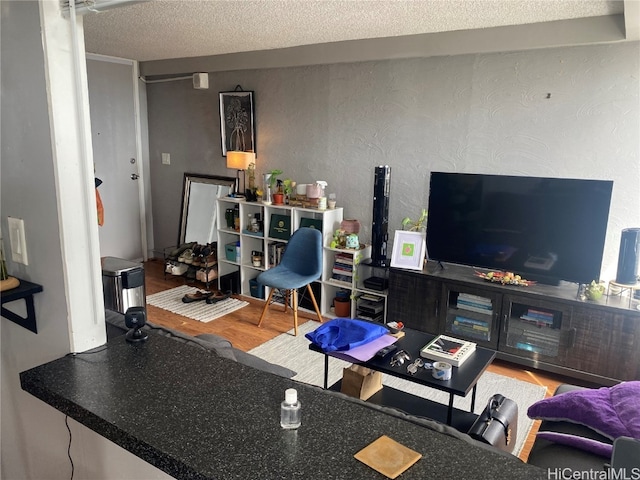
(301,264)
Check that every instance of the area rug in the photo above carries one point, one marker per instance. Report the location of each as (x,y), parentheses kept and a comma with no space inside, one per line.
(293,352)
(203,312)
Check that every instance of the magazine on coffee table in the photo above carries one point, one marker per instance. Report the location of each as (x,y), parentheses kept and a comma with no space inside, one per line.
(448,349)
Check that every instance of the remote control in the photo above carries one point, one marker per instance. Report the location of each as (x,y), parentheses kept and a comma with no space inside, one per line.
(385,351)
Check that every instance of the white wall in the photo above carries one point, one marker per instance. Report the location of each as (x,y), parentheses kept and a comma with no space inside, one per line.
(482,113)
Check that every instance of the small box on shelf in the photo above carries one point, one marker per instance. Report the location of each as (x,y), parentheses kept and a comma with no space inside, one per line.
(231,252)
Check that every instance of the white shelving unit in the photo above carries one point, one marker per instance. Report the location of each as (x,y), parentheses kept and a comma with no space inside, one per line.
(250,241)
(358,292)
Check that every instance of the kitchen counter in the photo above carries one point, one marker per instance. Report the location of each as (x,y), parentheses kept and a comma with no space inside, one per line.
(195,415)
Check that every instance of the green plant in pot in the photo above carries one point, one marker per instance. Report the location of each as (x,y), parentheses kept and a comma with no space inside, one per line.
(418,225)
(269,185)
(287,186)
(275,186)
(594,290)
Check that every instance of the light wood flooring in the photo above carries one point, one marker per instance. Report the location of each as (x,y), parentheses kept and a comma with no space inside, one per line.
(241,329)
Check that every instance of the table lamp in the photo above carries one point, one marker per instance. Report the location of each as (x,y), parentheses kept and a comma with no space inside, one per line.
(240,161)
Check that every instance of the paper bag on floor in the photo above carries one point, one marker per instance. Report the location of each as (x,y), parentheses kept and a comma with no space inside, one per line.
(360,382)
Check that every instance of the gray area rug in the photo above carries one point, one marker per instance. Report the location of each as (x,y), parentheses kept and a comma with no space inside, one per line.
(293,352)
(202,311)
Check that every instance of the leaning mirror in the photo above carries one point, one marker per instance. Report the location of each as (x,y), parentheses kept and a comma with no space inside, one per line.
(198,216)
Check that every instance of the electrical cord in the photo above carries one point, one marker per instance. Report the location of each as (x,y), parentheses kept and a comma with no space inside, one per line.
(87,352)
(66,422)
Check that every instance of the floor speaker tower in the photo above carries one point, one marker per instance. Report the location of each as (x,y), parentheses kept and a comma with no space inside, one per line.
(629,256)
(380,230)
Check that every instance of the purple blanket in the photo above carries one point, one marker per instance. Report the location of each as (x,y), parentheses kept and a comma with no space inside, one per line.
(611,411)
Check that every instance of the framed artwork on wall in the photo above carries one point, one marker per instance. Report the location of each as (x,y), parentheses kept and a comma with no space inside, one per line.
(409,250)
(236,121)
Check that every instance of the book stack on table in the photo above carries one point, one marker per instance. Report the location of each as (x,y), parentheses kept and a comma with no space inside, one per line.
(448,349)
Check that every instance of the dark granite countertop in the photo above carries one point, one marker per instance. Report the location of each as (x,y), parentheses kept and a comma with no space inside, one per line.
(197,416)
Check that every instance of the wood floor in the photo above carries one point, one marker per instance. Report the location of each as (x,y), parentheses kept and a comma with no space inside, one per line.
(241,329)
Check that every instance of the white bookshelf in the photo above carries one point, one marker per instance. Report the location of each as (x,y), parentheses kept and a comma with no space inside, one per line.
(355,287)
(260,241)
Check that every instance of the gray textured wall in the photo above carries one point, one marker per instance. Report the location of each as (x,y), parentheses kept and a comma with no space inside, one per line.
(487,113)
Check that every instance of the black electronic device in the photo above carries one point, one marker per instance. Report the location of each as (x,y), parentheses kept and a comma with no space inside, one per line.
(629,256)
(383,352)
(376,283)
(135,318)
(545,229)
(380,227)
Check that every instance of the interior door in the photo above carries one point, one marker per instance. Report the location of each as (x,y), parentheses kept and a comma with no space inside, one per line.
(113,131)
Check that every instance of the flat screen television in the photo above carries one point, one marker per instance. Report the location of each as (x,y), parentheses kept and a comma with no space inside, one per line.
(544,229)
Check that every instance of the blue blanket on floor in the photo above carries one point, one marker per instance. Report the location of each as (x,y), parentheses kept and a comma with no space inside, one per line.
(342,334)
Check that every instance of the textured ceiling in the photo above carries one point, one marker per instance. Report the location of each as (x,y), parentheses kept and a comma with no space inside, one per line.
(164,29)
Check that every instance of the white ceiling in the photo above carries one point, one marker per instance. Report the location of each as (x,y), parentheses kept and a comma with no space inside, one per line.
(166,29)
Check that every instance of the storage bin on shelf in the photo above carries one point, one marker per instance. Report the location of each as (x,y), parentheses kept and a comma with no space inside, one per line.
(231,252)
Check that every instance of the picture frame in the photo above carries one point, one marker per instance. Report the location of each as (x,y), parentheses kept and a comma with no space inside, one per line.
(409,250)
(237,129)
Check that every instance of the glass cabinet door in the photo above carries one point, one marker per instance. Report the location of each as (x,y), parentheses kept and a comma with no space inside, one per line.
(471,314)
(536,329)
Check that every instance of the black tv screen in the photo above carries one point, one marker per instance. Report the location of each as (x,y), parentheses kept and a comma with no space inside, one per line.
(544,229)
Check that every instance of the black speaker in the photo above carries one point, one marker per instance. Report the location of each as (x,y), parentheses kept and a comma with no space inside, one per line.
(629,256)
(380,228)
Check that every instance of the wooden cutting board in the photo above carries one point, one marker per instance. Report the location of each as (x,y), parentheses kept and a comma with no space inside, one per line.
(388,457)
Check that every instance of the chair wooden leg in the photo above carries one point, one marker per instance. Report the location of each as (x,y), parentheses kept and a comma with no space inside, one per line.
(266,305)
(294,307)
(315,304)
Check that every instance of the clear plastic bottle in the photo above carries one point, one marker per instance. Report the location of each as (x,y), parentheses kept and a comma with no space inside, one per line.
(290,410)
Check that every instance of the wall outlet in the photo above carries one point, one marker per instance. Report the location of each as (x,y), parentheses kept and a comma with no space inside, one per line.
(166,159)
(18,241)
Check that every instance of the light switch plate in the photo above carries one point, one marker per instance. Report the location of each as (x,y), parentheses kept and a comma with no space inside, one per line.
(166,159)
(18,241)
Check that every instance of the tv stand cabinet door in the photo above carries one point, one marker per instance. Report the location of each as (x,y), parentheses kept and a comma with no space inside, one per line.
(471,313)
(414,300)
(606,344)
(537,330)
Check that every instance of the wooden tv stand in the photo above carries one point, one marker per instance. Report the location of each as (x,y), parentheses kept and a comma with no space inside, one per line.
(541,326)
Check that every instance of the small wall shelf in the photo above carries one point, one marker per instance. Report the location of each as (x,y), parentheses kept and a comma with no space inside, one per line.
(25,291)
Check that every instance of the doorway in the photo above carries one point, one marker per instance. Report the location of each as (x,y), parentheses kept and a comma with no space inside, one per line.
(118,166)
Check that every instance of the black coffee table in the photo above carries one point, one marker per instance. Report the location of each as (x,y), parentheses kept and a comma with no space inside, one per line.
(464,379)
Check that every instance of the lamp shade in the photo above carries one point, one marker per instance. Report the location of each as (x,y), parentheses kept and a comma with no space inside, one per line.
(240,160)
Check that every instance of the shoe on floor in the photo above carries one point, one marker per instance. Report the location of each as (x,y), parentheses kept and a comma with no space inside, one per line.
(219,296)
(197,296)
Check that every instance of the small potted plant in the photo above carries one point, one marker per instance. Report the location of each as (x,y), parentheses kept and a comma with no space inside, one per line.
(594,290)
(275,185)
(418,225)
(288,186)
(270,183)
